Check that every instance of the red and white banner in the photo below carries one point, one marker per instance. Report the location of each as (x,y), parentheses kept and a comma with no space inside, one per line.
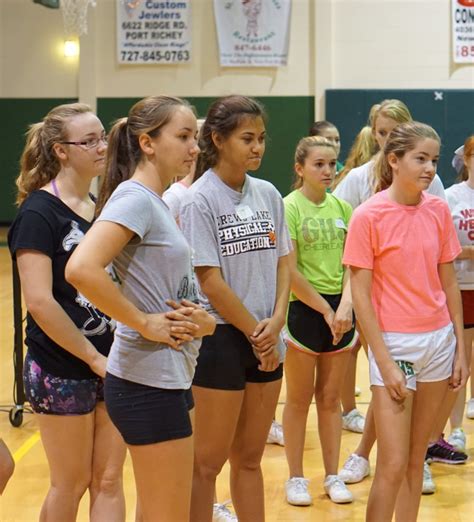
(463,30)
(253,33)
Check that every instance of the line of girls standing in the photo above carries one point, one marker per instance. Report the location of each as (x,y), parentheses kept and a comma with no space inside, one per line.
(150,363)
(236,238)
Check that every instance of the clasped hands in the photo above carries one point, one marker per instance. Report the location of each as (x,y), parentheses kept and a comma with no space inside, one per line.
(264,340)
(185,322)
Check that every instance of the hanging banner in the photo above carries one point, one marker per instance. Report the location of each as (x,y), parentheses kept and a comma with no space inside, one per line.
(253,33)
(153,32)
(463,30)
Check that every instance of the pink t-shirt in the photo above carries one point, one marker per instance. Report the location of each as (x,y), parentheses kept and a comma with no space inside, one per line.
(403,246)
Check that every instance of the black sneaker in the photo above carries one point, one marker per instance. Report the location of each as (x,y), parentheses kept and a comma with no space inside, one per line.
(442,451)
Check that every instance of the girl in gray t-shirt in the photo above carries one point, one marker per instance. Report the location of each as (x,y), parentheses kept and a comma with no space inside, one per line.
(159,323)
(235,225)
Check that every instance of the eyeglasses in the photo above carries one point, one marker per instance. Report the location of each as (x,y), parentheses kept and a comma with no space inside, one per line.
(88,144)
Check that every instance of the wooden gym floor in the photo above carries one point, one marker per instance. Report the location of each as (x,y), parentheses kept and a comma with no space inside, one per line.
(21,502)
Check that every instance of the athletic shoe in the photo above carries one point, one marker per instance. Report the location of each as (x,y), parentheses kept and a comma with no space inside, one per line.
(337,490)
(470,409)
(221,513)
(357,391)
(429,487)
(353,421)
(275,435)
(442,451)
(355,469)
(457,439)
(297,493)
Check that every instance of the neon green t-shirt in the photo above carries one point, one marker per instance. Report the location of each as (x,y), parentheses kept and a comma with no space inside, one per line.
(320,232)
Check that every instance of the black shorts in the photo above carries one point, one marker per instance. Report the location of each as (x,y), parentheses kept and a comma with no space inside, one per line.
(145,414)
(226,361)
(308,331)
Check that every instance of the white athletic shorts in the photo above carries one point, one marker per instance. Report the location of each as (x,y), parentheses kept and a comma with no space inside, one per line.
(423,357)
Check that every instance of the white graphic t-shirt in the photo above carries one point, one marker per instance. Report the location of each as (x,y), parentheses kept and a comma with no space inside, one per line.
(461,203)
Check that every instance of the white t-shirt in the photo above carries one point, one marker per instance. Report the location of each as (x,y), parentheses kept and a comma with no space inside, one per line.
(461,203)
(173,197)
(356,187)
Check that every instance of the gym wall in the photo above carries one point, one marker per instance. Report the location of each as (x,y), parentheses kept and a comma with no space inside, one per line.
(334,44)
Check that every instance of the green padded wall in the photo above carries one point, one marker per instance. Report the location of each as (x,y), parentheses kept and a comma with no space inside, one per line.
(289,118)
(450,112)
(17,115)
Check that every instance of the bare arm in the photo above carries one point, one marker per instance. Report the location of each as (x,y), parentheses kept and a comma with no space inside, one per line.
(343,317)
(86,271)
(467,252)
(224,299)
(304,290)
(230,307)
(393,377)
(447,276)
(36,277)
(268,330)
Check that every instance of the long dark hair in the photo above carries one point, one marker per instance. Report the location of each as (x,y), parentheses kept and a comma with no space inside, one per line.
(223,117)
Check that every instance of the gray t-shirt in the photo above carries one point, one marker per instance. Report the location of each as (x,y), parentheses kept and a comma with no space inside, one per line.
(153,267)
(243,233)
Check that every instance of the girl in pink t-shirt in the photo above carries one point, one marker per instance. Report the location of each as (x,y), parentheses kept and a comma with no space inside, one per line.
(400,248)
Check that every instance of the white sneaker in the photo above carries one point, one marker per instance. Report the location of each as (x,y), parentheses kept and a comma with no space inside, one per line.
(337,490)
(275,435)
(355,469)
(470,409)
(429,487)
(457,439)
(357,391)
(221,513)
(353,421)
(297,493)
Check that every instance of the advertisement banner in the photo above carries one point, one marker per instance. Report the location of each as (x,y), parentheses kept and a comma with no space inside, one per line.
(153,32)
(463,30)
(253,33)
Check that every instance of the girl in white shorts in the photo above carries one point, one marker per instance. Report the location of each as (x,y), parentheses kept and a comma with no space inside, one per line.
(400,248)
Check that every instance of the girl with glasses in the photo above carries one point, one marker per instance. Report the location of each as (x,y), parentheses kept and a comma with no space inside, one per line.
(68,338)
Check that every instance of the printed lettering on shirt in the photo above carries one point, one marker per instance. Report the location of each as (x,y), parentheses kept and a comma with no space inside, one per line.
(188,289)
(466,222)
(238,235)
(322,234)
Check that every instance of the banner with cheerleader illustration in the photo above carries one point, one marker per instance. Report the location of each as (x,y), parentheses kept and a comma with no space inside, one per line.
(253,33)
(463,31)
